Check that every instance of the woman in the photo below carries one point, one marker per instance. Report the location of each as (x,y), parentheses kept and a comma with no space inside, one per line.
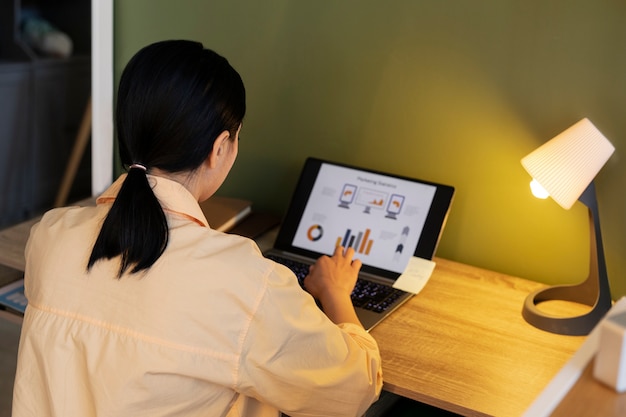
(136,307)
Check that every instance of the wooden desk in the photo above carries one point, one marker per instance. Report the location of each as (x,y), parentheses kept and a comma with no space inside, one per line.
(12,244)
(460,345)
(463,346)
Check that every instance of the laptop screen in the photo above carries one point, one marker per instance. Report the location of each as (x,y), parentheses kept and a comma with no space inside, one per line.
(386,218)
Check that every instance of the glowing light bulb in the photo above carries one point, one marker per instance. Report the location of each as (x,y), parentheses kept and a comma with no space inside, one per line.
(537,190)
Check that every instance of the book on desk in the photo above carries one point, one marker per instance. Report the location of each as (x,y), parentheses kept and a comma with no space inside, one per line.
(224,213)
(235,215)
(12,296)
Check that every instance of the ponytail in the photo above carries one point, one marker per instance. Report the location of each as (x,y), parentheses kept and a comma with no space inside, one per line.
(135,228)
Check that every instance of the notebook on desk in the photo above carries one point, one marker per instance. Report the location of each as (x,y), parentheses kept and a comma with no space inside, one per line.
(386,218)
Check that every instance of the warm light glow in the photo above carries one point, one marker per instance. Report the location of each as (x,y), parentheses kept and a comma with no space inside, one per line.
(538,191)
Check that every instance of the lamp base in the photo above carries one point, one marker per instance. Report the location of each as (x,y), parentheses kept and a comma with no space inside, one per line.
(573,326)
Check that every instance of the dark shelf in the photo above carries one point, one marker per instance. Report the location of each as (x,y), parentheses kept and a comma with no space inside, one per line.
(42,102)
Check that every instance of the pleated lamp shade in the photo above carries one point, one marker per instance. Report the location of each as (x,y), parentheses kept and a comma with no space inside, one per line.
(567,164)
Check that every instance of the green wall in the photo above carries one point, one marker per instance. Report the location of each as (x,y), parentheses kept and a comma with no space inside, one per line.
(448,91)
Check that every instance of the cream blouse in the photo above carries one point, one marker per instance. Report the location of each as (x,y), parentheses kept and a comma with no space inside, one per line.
(211,329)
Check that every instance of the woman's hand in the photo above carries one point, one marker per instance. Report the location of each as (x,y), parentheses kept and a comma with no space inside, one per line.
(331,280)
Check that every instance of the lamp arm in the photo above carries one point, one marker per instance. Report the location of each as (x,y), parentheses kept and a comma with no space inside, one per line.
(597,264)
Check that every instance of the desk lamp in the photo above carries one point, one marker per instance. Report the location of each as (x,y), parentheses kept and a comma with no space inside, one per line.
(564,168)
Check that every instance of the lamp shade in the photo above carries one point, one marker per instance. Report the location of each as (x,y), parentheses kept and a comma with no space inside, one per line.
(566,165)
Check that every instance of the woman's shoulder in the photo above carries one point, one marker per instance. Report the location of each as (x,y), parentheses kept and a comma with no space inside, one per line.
(70,217)
(229,251)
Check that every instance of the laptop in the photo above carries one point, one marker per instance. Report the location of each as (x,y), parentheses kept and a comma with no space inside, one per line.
(386,218)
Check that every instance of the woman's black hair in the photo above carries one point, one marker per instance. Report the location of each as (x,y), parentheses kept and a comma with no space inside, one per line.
(174,98)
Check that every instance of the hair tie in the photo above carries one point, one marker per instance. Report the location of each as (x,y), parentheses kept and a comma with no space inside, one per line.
(139,166)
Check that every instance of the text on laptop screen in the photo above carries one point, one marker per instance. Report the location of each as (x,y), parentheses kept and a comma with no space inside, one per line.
(381,217)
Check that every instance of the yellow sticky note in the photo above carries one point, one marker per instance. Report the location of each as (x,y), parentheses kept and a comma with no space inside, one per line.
(415,276)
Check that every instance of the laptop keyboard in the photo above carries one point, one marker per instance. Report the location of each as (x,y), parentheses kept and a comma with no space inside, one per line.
(366,294)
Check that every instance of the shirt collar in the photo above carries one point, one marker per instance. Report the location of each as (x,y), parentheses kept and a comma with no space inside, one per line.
(173,196)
